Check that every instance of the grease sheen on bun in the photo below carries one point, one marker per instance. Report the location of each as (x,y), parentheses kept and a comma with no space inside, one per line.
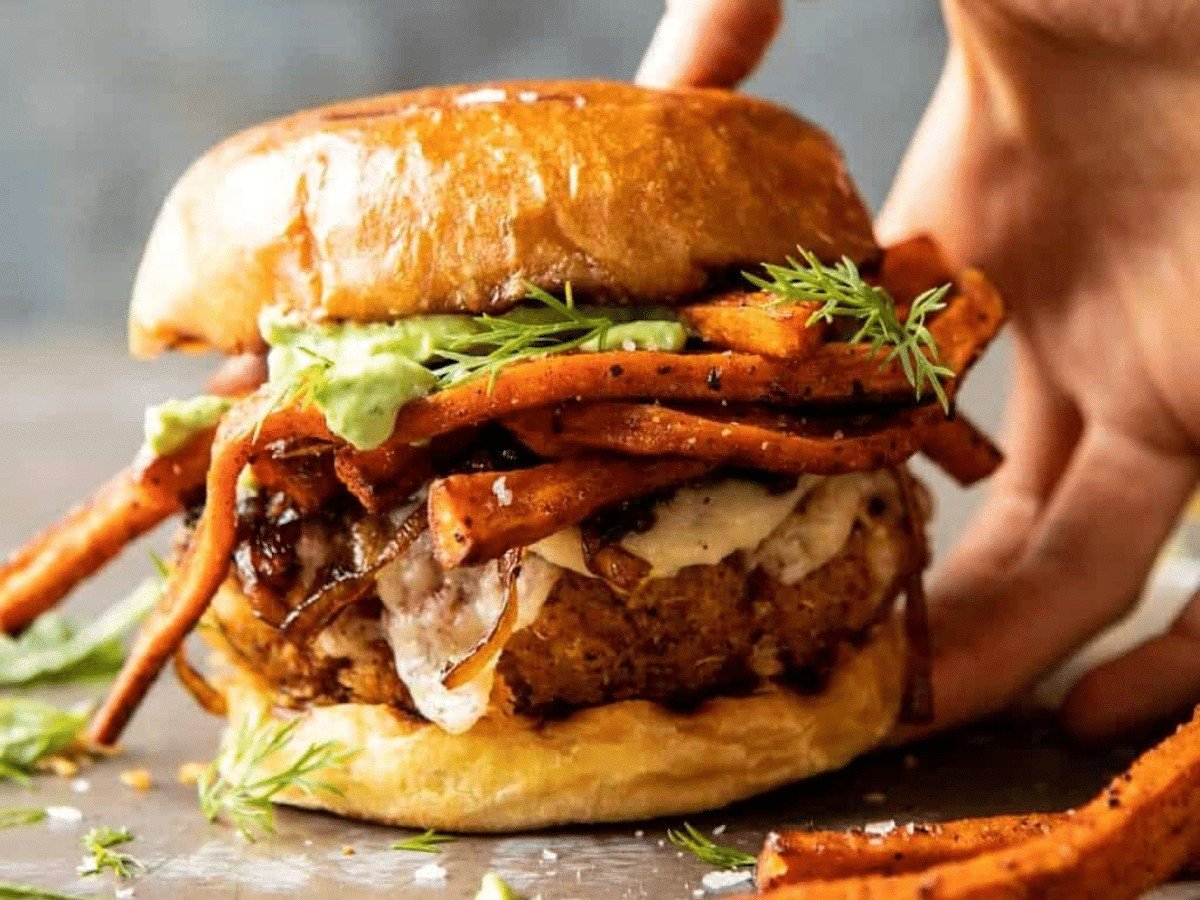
(447,199)
(618,762)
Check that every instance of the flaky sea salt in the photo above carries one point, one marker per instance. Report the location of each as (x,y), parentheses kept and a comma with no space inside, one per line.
(880,829)
(65,814)
(716,882)
(718,831)
(549,855)
(430,872)
(500,488)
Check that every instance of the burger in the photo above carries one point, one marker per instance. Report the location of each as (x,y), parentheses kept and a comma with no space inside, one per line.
(559,468)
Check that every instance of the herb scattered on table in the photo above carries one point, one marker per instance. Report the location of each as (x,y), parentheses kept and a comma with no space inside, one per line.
(31,730)
(691,840)
(12,891)
(101,853)
(493,887)
(55,651)
(16,816)
(423,843)
(237,787)
(842,293)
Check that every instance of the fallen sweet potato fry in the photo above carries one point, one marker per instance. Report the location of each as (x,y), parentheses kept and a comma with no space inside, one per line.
(476,517)
(753,322)
(961,449)
(45,570)
(825,855)
(205,564)
(646,429)
(1137,833)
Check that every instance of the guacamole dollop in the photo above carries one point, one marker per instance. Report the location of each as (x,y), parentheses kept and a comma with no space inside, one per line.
(170,426)
(360,375)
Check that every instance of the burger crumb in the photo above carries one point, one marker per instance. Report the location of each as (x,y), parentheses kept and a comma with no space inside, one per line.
(138,779)
(348,851)
(500,488)
(639,833)
(67,814)
(189,773)
(81,785)
(549,855)
(61,766)
(719,830)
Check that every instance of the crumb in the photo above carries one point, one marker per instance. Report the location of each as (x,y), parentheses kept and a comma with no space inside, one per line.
(81,785)
(639,833)
(875,798)
(138,779)
(718,831)
(348,851)
(190,772)
(61,766)
(123,893)
(549,855)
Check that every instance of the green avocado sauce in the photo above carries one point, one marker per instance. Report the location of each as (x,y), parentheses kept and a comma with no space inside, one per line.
(360,375)
(170,426)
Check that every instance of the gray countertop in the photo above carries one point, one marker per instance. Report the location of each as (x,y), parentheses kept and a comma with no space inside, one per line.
(73,413)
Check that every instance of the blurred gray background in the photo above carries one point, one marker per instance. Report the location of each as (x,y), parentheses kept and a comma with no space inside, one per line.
(108,102)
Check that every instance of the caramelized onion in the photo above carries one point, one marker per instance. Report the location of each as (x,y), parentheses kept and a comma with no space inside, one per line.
(470,666)
(305,620)
(916,707)
(210,699)
(611,562)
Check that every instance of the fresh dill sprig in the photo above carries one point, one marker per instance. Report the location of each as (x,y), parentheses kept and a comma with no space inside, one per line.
(16,816)
(423,843)
(714,854)
(100,846)
(234,785)
(503,340)
(10,890)
(842,293)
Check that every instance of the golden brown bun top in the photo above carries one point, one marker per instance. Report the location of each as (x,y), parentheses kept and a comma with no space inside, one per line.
(447,199)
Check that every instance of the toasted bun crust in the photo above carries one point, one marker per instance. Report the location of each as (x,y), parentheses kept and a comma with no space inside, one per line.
(623,761)
(446,199)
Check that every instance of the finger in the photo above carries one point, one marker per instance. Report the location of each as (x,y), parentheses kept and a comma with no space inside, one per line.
(709,43)
(1042,432)
(1082,567)
(1150,684)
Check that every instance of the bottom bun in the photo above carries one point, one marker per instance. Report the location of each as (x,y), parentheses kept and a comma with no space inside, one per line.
(622,761)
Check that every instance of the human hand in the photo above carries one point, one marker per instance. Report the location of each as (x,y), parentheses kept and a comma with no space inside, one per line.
(1061,154)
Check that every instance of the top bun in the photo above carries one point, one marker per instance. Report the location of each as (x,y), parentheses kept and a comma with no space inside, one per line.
(447,199)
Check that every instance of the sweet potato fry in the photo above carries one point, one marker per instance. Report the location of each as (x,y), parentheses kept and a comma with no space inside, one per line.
(825,855)
(644,429)
(379,479)
(44,571)
(911,267)
(961,449)
(1137,833)
(477,517)
(205,565)
(751,322)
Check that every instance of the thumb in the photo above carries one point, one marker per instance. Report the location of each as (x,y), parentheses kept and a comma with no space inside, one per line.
(709,43)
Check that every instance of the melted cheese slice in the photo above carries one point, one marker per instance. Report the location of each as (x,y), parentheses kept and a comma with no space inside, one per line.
(432,618)
(697,526)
